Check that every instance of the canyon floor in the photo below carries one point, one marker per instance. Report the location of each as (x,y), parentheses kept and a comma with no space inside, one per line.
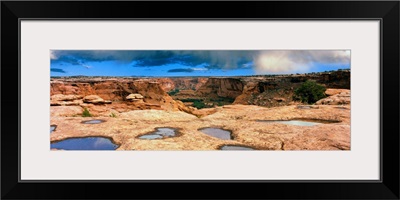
(125,128)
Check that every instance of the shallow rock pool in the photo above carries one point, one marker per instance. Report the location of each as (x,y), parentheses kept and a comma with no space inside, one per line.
(52,128)
(87,143)
(235,147)
(218,133)
(298,122)
(94,121)
(160,134)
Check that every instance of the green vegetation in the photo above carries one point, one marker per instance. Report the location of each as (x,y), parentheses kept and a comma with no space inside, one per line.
(309,92)
(191,100)
(86,113)
(113,115)
(173,92)
(199,104)
(209,103)
(223,99)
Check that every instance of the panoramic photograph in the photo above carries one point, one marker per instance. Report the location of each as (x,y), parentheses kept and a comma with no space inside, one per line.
(160,100)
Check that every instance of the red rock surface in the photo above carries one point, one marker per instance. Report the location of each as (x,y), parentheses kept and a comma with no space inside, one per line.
(168,84)
(125,128)
(342,98)
(331,92)
(112,91)
(221,87)
(125,119)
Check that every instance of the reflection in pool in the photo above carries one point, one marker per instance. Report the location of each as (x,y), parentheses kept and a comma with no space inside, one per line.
(303,107)
(218,133)
(95,121)
(159,134)
(52,128)
(87,143)
(299,122)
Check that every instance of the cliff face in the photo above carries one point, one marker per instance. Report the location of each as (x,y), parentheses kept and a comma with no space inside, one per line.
(168,84)
(221,87)
(337,79)
(279,90)
(154,97)
(273,92)
(258,90)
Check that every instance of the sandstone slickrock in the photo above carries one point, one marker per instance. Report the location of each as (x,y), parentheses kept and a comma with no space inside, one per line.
(61,97)
(135,98)
(307,107)
(66,103)
(203,112)
(65,111)
(240,119)
(152,96)
(94,99)
(155,109)
(65,100)
(338,99)
(331,91)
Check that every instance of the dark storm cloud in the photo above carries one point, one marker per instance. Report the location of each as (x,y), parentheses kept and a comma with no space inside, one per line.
(57,70)
(262,61)
(142,58)
(180,70)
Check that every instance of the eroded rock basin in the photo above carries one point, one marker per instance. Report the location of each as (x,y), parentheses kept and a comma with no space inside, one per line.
(235,148)
(94,121)
(87,143)
(52,128)
(160,134)
(239,120)
(218,133)
(306,122)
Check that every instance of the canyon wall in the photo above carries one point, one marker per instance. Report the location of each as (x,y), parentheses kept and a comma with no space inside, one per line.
(279,90)
(221,87)
(273,90)
(116,91)
(168,84)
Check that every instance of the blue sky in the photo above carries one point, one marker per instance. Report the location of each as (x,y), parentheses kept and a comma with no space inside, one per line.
(169,63)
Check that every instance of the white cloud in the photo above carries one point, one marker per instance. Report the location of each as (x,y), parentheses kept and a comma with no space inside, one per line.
(199,69)
(296,60)
(85,65)
(52,55)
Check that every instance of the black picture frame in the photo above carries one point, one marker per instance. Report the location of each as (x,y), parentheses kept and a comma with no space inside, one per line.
(386,11)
